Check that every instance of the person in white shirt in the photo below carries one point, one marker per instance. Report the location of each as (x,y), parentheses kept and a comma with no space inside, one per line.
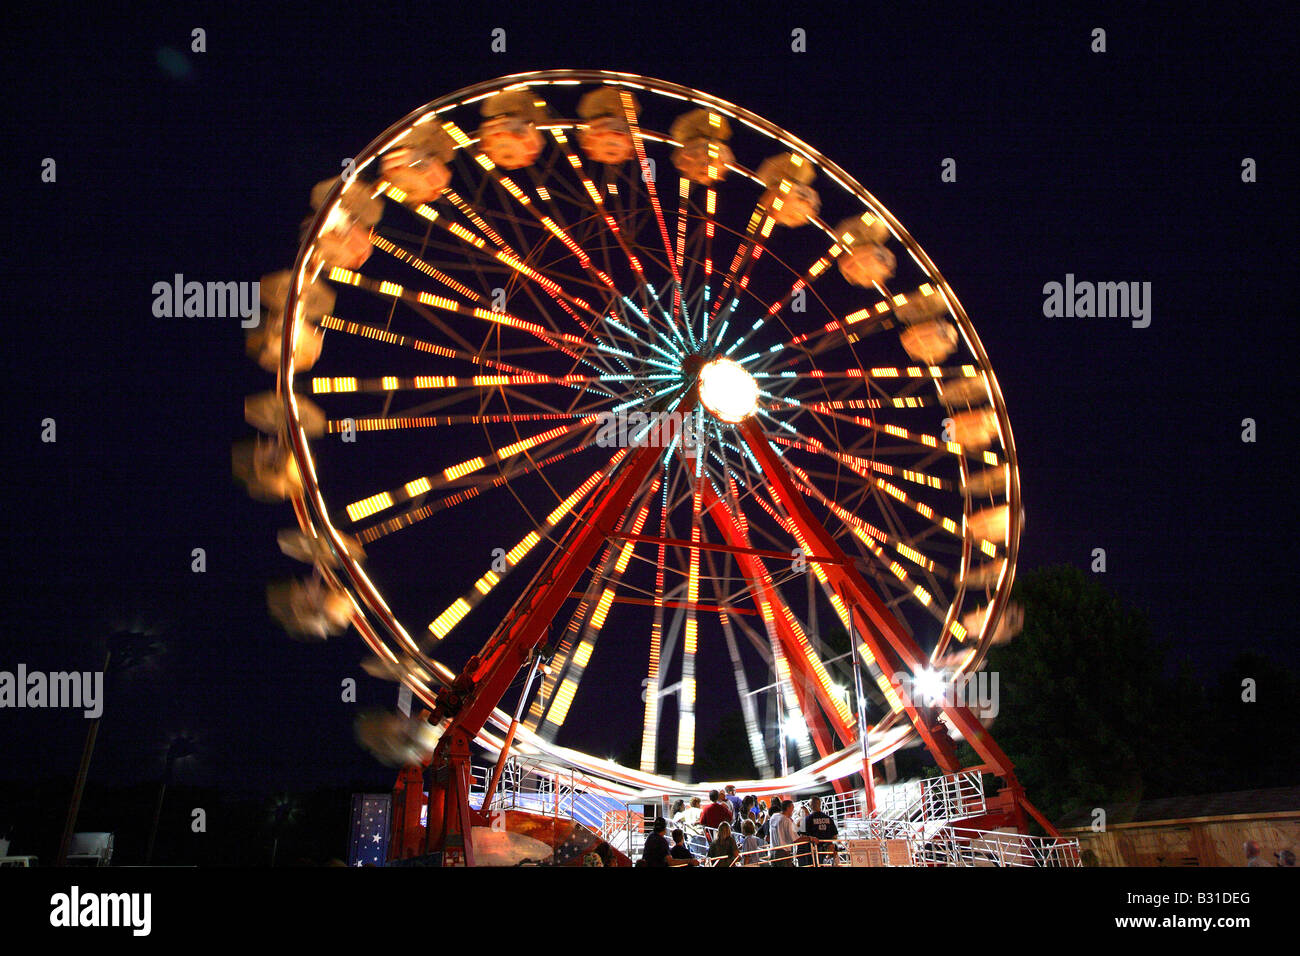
(749,844)
(783,835)
(679,813)
(693,812)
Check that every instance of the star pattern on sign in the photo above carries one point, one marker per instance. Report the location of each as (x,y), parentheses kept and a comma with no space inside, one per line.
(368,844)
(575,846)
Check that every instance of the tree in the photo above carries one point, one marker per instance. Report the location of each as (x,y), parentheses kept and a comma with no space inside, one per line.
(1086,714)
(1247,742)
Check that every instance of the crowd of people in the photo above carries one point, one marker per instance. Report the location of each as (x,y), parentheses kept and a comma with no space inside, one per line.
(736,831)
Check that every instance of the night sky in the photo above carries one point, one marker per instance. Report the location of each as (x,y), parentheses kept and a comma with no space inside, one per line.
(1119,166)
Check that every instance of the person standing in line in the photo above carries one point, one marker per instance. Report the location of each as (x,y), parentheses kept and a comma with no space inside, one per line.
(723,850)
(680,855)
(655,851)
(679,813)
(692,818)
(765,824)
(749,844)
(783,835)
(735,803)
(821,828)
(717,812)
(747,810)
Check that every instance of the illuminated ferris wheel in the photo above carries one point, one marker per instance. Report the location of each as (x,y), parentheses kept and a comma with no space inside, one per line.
(673,379)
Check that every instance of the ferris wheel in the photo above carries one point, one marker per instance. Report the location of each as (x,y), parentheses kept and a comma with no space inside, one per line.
(680,387)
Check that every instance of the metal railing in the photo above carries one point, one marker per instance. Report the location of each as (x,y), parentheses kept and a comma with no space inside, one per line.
(625,831)
(915,824)
(535,788)
(959,846)
(949,797)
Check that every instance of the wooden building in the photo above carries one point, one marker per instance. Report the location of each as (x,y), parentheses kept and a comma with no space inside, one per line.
(1206,830)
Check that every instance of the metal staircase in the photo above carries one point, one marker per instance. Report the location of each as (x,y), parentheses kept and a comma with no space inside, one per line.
(927,815)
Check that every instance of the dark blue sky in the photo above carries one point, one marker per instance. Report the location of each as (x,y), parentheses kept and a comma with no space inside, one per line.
(1122,166)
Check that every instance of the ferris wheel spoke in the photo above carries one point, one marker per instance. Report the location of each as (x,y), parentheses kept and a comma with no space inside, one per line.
(798,648)
(552,679)
(512,261)
(873,539)
(638,144)
(508,257)
(683,212)
(608,581)
(864,321)
(334,323)
(602,212)
(477,383)
(696,268)
(804,281)
(563,342)
(873,617)
(690,640)
(650,718)
(382,500)
(336,426)
(428,508)
(863,466)
(442,625)
(510,188)
(747,252)
(749,712)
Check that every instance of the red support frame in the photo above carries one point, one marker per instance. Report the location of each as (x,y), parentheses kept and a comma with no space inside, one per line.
(486,680)
(882,631)
(761,581)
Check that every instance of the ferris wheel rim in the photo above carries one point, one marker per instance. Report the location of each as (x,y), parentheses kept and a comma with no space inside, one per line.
(310,505)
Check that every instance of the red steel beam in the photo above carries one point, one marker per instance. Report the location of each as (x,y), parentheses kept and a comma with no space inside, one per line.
(728,548)
(650,602)
(525,629)
(761,581)
(877,625)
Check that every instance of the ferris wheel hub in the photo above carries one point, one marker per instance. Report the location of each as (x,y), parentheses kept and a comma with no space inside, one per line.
(727,390)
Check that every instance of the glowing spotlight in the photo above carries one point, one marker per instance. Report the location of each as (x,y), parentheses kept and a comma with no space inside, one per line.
(728,391)
(796,728)
(929,686)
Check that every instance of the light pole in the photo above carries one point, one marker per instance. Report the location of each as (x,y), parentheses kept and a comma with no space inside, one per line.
(132,649)
(780,723)
(860,703)
(539,664)
(181,746)
(283,814)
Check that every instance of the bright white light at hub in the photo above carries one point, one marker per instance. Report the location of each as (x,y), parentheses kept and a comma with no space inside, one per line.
(796,728)
(727,390)
(929,686)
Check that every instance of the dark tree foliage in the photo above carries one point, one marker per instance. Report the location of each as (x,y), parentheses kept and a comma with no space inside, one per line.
(1093,711)
(1254,741)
